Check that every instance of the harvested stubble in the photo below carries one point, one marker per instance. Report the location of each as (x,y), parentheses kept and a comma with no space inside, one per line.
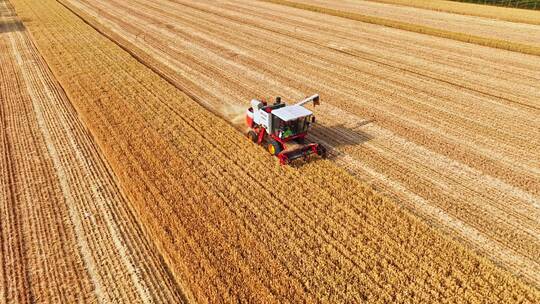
(231,223)
(67,234)
(532,49)
(490,28)
(486,11)
(445,146)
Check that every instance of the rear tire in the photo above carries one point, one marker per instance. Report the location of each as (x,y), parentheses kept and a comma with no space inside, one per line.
(252,136)
(274,147)
(321,150)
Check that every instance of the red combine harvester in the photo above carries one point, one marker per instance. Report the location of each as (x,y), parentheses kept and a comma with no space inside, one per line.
(279,125)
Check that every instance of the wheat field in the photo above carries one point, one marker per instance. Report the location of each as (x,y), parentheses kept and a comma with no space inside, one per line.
(149,192)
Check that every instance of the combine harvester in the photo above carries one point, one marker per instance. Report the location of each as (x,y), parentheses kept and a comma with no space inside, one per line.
(279,125)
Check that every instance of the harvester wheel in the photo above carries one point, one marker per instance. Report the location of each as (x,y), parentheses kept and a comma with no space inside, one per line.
(321,150)
(274,147)
(252,136)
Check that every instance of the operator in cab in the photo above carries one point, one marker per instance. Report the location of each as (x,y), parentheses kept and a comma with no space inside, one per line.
(286,130)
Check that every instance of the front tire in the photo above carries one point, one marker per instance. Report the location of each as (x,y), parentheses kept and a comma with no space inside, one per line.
(274,147)
(252,136)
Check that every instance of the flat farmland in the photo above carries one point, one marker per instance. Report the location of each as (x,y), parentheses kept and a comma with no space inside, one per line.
(425,197)
(448,129)
(472,25)
(473,9)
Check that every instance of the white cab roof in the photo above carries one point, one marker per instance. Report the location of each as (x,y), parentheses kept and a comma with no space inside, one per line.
(293,112)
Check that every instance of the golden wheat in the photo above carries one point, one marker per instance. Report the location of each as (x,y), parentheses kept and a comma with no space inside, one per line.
(66,231)
(487,11)
(395,151)
(438,32)
(231,223)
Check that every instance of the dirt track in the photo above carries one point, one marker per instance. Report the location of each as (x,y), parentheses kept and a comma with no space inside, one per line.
(66,234)
(449,129)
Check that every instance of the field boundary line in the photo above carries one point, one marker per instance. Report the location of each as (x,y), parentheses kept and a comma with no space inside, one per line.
(484,41)
(510,14)
(115,39)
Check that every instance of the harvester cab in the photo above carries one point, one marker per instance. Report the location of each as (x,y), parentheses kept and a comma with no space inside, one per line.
(278,126)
